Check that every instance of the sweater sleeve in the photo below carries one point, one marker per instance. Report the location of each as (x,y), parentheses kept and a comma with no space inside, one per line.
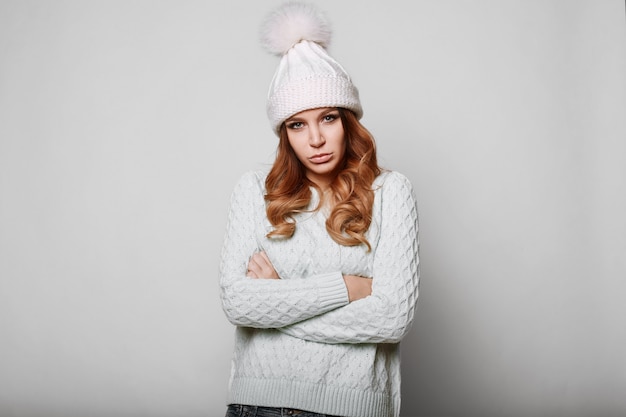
(386,315)
(266,303)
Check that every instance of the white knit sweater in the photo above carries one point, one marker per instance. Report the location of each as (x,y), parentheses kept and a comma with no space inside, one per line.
(299,342)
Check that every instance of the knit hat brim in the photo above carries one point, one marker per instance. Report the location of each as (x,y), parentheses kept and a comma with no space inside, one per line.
(312,93)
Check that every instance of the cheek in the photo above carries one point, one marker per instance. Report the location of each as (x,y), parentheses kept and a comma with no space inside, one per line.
(296,147)
(340,140)
(340,136)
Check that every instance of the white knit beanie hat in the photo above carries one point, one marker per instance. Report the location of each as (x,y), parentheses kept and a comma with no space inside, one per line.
(307,77)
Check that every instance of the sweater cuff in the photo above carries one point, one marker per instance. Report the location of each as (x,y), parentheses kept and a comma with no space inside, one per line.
(332,291)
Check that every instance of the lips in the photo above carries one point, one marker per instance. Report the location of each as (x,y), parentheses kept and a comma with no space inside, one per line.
(321,158)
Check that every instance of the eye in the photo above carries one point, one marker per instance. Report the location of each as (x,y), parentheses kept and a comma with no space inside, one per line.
(295,125)
(330,117)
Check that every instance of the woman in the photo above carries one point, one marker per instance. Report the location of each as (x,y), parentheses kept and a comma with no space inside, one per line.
(319,269)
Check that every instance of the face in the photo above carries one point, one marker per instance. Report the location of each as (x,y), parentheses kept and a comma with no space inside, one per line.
(317,138)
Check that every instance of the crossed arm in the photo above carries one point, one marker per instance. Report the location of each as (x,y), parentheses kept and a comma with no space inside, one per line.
(260,266)
(332,308)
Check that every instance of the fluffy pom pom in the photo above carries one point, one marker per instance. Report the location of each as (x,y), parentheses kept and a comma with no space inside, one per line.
(291,23)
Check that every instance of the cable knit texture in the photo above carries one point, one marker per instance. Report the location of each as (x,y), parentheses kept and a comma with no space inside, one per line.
(298,342)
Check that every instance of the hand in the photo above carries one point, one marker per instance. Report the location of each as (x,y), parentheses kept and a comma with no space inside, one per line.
(358,287)
(259,266)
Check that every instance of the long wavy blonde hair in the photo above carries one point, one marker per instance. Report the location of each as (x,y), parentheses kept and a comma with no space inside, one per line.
(351,193)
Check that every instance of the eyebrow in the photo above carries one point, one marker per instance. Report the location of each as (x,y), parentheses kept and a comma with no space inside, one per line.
(322,114)
(294,119)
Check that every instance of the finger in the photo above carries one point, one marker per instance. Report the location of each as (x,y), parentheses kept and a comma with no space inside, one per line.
(261,267)
(262,260)
(253,270)
(256,258)
(250,267)
(255,263)
(268,270)
(266,259)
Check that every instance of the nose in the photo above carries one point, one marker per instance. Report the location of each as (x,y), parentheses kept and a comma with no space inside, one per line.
(316,139)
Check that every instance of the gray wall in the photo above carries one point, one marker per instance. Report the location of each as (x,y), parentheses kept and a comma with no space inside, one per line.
(124,126)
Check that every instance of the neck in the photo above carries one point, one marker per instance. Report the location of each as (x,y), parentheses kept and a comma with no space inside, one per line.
(323,183)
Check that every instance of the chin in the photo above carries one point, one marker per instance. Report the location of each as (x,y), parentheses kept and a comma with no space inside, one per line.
(328,171)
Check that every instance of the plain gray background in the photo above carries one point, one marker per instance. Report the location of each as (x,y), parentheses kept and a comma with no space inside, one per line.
(125,125)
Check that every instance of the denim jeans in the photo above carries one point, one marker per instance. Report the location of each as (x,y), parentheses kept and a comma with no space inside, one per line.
(238,410)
